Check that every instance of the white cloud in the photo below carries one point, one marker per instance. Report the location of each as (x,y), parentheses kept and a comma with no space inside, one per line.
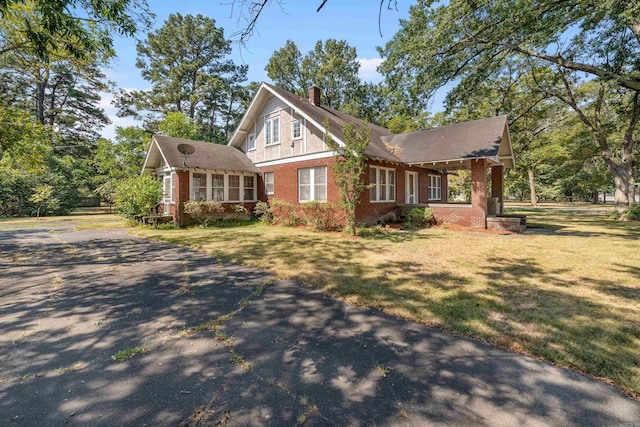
(368,70)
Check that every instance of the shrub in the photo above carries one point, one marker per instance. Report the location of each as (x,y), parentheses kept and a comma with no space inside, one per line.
(419,217)
(261,211)
(323,216)
(240,212)
(633,213)
(138,196)
(388,218)
(284,213)
(204,212)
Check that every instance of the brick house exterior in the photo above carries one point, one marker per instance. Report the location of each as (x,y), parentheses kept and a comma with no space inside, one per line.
(280,141)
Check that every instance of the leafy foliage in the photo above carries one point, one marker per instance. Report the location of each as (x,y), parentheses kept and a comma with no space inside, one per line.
(138,196)
(583,56)
(420,217)
(80,27)
(204,212)
(186,61)
(350,167)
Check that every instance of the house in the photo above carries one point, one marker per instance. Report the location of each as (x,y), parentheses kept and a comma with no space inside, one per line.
(195,170)
(280,141)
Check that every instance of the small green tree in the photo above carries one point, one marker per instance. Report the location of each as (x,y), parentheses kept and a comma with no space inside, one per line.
(350,167)
(43,197)
(138,196)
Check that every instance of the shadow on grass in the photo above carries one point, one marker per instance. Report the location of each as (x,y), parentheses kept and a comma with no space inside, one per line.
(578,223)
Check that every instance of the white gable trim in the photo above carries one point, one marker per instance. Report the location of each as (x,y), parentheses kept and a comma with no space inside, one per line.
(262,87)
(146,159)
(313,156)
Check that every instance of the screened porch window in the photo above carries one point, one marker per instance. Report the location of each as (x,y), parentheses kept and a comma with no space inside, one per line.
(217,187)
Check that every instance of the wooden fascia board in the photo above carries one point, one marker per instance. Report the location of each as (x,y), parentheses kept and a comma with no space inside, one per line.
(146,159)
(306,117)
(246,114)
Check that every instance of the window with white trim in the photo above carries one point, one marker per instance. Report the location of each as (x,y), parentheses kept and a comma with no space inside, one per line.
(217,187)
(249,187)
(251,142)
(173,187)
(272,131)
(296,130)
(268,183)
(312,184)
(435,187)
(168,188)
(234,188)
(199,185)
(383,184)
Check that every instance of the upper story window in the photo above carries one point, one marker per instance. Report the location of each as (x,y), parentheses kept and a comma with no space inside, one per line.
(272,131)
(383,184)
(296,130)
(435,187)
(251,142)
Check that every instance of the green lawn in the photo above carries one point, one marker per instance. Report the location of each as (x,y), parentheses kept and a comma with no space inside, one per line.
(569,292)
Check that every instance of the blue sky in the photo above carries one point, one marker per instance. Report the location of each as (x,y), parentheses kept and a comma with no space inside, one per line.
(351,20)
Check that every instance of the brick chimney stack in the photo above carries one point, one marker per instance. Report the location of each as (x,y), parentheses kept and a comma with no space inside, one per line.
(314,95)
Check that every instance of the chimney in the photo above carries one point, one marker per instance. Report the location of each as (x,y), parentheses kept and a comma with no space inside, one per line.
(314,95)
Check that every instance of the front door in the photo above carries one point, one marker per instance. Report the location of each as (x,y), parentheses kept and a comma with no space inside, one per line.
(411,181)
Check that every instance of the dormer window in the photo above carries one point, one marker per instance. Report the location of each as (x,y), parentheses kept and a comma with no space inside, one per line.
(272,131)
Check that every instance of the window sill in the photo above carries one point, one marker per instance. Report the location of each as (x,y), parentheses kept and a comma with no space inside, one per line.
(382,201)
(272,144)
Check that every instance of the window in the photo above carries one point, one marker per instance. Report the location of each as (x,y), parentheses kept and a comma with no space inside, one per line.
(312,184)
(199,186)
(173,187)
(168,188)
(435,187)
(234,188)
(272,131)
(249,186)
(217,187)
(383,184)
(251,142)
(296,130)
(268,183)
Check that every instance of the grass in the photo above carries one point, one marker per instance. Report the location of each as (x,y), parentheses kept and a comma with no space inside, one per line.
(128,353)
(568,293)
(79,221)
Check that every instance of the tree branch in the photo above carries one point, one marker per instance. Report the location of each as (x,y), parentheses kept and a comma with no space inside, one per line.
(628,83)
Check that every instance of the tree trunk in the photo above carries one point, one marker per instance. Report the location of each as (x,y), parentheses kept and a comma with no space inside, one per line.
(621,177)
(40,89)
(532,186)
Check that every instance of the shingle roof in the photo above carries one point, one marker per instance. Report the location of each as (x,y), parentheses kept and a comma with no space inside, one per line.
(467,140)
(207,155)
(336,120)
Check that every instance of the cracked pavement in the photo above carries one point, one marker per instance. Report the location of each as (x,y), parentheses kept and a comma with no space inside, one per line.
(283,355)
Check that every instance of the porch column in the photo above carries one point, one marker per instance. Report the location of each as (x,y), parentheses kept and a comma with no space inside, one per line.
(182,196)
(479,193)
(497,185)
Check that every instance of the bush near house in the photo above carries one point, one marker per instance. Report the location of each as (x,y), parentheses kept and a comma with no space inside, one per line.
(420,217)
(137,196)
(204,212)
(321,216)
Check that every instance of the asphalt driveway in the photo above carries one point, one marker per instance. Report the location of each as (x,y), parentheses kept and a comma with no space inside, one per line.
(224,344)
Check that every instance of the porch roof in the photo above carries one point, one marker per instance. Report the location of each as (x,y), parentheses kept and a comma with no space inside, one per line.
(206,155)
(455,146)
